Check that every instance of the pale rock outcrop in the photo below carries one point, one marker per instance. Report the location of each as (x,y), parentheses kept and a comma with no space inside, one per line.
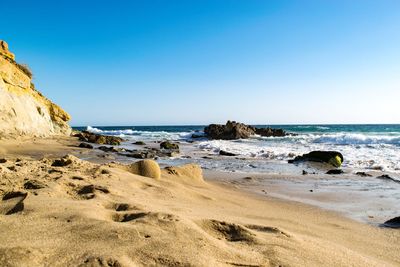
(23,110)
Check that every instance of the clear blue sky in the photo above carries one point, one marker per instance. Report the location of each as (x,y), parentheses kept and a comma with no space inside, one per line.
(196,62)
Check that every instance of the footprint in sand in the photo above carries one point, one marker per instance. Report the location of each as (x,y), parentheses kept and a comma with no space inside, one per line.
(12,202)
(266,229)
(229,231)
(88,191)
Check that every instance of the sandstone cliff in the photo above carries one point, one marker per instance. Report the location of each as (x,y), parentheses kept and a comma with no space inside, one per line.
(23,110)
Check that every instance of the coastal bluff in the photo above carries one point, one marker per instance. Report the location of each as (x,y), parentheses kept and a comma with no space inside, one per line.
(24,111)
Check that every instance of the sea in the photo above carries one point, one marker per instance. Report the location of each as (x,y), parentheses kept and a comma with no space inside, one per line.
(364,147)
(371,149)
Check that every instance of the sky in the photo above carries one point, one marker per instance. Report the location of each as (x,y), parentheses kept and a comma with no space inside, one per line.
(199,62)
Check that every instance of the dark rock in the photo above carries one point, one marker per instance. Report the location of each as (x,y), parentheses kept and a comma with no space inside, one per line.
(198,135)
(226,153)
(86,136)
(33,185)
(393,223)
(335,171)
(142,155)
(169,145)
(86,145)
(61,162)
(140,143)
(331,157)
(107,149)
(363,174)
(12,202)
(387,177)
(236,130)
(305,172)
(3,160)
(230,131)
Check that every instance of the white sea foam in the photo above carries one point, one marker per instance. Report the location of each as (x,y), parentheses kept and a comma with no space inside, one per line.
(142,135)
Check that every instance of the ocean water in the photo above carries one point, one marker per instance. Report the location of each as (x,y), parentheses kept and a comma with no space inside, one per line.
(365,147)
(374,149)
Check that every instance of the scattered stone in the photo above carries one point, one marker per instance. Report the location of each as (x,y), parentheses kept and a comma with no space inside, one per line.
(311,190)
(142,155)
(335,171)
(12,168)
(104,171)
(2,160)
(86,145)
(34,185)
(226,153)
(387,177)
(140,143)
(331,157)
(86,136)
(363,174)
(62,162)
(305,172)
(107,149)
(393,223)
(169,145)
(54,171)
(248,178)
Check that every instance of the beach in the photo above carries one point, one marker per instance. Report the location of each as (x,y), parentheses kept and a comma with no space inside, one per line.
(100,214)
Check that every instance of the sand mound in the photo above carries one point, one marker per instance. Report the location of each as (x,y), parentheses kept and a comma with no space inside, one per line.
(192,171)
(147,167)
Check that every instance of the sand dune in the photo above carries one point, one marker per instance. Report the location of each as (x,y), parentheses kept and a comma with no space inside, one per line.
(87,214)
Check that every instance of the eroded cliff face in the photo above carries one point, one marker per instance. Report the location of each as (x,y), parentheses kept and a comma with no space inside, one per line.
(23,110)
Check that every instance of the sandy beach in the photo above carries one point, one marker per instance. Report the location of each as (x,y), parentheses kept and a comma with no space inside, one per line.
(91,214)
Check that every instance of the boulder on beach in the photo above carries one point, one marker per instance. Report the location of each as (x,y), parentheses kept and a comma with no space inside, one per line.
(393,223)
(226,153)
(235,130)
(146,167)
(331,157)
(169,145)
(86,136)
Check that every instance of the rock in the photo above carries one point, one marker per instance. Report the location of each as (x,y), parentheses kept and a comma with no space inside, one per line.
(86,145)
(86,136)
(33,185)
(305,172)
(197,135)
(393,223)
(147,167)
(226,153)
(12,202)
(331,157)
(230,131)
(24,111)
(3,160)
(236,130)
(363,174)
(64,161)
(142,155)
(270,132)
(335,171)
(139,143)
(107,149)
(5,52)
(387,177)
(169,145)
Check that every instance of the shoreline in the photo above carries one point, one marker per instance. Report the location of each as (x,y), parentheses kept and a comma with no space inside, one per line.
(132,220)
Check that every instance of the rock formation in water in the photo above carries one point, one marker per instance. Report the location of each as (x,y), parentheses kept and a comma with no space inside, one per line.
(24,111)
(236,130)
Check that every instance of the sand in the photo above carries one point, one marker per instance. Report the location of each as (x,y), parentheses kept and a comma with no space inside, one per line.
(90,214)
